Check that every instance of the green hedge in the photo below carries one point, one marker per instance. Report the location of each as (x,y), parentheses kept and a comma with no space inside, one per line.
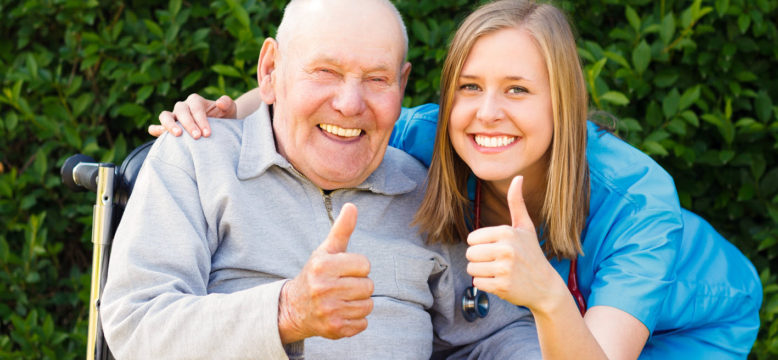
(693,84)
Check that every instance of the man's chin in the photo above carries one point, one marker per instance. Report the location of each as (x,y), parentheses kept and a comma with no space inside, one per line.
(339,178)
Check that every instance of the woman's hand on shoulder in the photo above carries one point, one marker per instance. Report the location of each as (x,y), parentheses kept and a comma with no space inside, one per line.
(507,261)
(192,114)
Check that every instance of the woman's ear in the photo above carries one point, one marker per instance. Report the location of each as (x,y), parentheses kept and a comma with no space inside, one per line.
(266,66)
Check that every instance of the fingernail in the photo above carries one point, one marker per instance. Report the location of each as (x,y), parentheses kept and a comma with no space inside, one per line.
(206,132)
(177,132)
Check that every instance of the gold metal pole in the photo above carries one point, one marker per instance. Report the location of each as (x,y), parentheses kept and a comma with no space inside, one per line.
(101,239)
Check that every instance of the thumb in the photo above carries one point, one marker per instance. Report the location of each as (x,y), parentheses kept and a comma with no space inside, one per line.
(519,215)
(340,233)
(227,106)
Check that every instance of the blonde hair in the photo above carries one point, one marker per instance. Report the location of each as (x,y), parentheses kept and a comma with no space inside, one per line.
(446,211)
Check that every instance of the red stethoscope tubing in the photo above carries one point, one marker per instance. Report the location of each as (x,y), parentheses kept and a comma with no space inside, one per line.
(572,278)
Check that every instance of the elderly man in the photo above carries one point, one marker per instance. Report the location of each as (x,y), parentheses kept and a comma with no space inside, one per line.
(214,231)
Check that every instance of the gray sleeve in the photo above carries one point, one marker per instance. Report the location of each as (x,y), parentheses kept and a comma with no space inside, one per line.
(155,303)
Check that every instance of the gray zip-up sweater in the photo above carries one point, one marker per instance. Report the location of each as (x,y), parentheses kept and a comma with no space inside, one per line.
(213,229)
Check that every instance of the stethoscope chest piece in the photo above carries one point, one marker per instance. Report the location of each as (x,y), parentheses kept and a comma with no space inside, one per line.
(475,304)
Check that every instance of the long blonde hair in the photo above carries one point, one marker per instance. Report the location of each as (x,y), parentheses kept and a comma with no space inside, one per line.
(446,210)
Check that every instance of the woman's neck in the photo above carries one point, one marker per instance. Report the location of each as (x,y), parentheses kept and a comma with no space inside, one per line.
(494,200)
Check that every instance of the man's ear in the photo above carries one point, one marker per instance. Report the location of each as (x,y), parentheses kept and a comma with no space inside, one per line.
(404,73)
(266,66)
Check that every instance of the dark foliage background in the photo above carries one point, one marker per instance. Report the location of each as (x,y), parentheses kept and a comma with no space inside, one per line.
(692,83)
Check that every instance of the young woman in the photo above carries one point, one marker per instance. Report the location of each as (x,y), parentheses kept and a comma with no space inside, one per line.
(551,206)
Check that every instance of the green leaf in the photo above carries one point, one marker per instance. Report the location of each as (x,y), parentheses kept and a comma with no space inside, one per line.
(144,93)
(758,166)
(654,148)
(691,118)
(190,79)
(665,79)
(72,136)
(727,131)
(239,12)
(594,71)
(668,28)
(617,58)
(677,126)
(153,28)
(32,65)
(726,155)
(633,18)
(743,22)
(11,120)
(629,124)
(670,103)
(81,103)
(420,31)
(131,110)
(763,106)
(689,97)
(615,97)
(769,183)
(721,7)
(174,6)
(40,165)
(641,57)
(226,70)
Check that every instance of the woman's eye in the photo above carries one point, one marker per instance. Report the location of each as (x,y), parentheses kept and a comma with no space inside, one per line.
(517,90)
(469,87)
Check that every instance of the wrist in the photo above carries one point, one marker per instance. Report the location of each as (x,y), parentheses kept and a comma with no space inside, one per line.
(288,329)
(557,300)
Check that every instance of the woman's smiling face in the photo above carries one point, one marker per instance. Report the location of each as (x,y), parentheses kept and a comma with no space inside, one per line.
(501,121)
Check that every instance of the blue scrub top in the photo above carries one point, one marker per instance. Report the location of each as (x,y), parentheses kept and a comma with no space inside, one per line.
(643,254)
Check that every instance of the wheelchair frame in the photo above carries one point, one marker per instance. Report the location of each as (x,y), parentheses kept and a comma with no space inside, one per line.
(112,187)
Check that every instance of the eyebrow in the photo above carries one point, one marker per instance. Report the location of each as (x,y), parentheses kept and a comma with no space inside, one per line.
(337,62)
(509,77)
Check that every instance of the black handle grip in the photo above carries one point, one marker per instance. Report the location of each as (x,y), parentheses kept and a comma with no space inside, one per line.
(79,173)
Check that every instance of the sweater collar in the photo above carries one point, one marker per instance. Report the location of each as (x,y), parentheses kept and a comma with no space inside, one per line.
(258,153)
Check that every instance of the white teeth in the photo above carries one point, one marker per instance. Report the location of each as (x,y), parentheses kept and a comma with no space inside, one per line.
(494,141)
(337,130)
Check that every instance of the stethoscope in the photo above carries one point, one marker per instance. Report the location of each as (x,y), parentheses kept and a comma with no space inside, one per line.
(475,303)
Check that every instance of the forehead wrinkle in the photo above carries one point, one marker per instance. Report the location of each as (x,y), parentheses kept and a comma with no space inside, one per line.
(340,62)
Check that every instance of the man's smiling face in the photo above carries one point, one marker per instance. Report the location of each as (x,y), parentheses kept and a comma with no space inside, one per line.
(338,87)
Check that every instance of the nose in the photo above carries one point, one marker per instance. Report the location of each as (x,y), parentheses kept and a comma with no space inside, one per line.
(349,99)
(490,109)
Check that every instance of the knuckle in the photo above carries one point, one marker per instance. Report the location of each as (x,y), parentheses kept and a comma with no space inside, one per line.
(506,231)
(317,288)
(319,264)
(358,326)
(334,326)
(370,287)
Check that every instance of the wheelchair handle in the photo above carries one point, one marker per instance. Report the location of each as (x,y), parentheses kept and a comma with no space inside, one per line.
(79,172)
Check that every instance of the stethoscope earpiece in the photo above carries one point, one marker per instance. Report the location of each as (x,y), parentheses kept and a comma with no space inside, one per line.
(475,304)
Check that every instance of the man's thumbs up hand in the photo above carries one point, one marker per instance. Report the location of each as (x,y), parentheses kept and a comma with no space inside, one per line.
(330,297)
(340,233)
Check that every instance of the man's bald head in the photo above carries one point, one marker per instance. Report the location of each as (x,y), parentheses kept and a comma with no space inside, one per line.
(301,12)
(335,75)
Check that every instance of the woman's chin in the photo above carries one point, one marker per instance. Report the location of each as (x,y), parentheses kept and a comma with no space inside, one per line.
(493,175)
